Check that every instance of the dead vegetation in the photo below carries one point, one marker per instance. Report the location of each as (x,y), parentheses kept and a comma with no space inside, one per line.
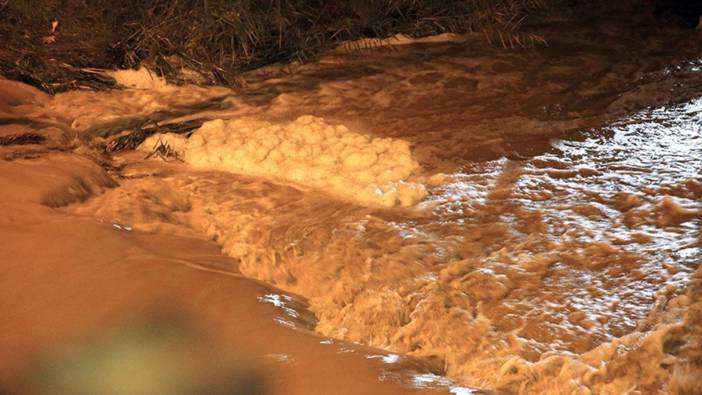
(53,44)
(22,139)
(164,151)
(132,139)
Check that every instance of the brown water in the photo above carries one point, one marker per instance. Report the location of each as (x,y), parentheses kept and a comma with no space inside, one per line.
(555,251)
(95,307)
(558,253)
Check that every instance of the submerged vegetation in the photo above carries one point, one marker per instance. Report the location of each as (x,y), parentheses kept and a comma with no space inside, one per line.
(52,44)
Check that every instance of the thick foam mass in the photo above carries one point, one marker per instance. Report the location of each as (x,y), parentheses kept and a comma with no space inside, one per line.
(307,151)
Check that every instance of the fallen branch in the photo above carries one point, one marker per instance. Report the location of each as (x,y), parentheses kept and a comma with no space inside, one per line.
(158,119)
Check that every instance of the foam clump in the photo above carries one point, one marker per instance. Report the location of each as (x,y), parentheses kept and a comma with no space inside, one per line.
(308,151)
(141,78)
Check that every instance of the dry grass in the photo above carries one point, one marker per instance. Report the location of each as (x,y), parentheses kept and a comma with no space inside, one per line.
(164,151)
(22,139)
(220,38)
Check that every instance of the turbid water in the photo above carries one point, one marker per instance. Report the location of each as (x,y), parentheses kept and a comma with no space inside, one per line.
(557,246)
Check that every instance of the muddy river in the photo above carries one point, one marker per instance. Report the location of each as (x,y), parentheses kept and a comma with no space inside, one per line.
(532,226)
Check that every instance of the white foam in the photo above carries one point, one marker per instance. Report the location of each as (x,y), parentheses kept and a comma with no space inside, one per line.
(308,151)
(141,78)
